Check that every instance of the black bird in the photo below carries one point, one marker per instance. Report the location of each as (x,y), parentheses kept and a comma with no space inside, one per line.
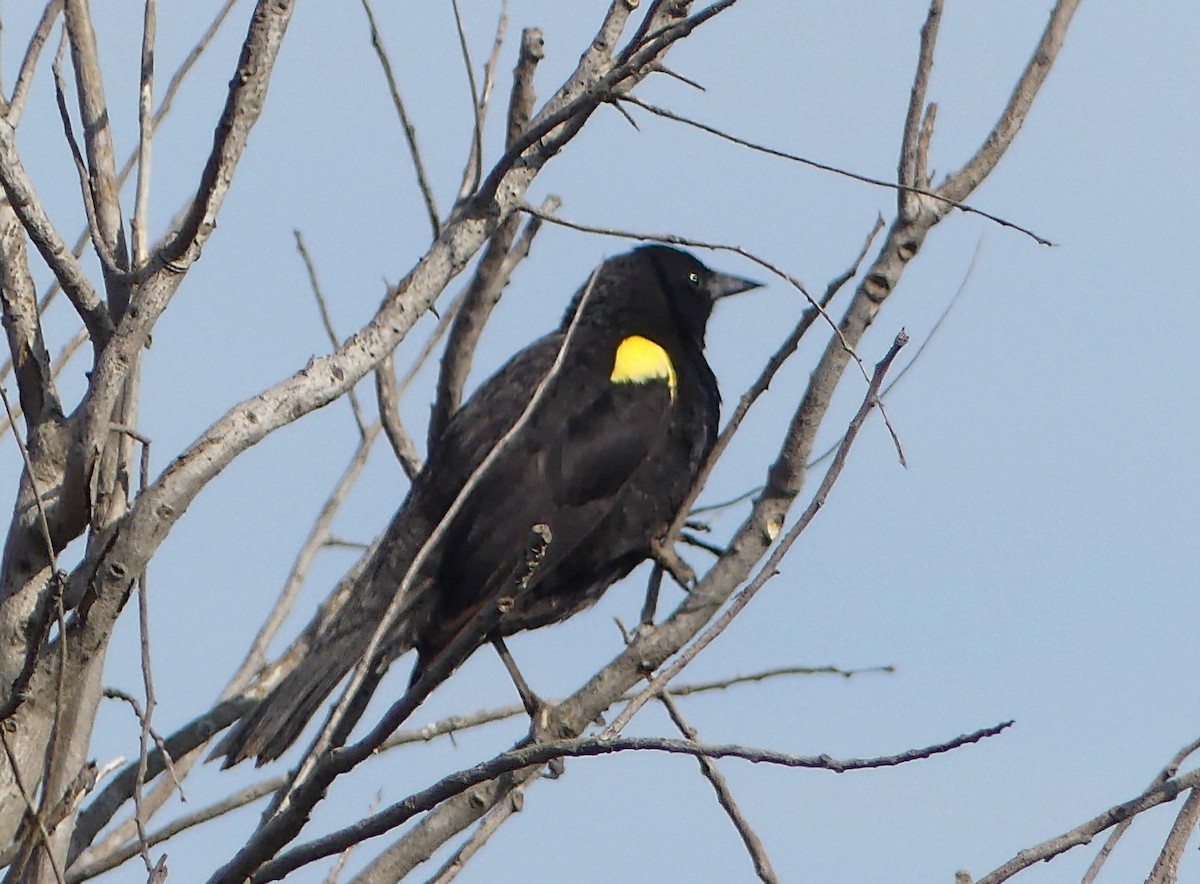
(603,460)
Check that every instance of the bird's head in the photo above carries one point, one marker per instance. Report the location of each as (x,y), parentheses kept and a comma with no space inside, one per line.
(665,289)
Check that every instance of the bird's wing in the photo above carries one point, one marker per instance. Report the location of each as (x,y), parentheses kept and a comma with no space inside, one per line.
(605,439)
(566,468)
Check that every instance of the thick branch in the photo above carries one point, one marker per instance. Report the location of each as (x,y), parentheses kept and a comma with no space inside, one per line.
(109,234)
(959,185)
(50,244)
(18,302)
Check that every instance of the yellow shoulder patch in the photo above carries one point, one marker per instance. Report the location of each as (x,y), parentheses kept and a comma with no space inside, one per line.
(640,360)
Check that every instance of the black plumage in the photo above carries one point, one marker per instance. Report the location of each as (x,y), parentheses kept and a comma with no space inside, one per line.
(604,458)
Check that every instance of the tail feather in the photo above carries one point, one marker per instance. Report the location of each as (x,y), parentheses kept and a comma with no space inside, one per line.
(268,731)
(339,635)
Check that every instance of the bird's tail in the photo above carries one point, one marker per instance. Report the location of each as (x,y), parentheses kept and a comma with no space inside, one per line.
(332,644)
(279,719)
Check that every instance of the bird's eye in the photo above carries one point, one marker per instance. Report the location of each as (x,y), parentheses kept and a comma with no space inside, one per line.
(694,279)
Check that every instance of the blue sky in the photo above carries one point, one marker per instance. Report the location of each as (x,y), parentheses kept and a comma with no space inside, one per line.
(1036,560)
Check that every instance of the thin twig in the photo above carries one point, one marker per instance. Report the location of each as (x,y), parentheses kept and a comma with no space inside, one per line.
(1110,843)
(234,801)
(387,398)
(50,245)
(109,235)
(165,760)
(673,239)
(958,185)
(824,167)
(914,157)
(473,173)
(410,131)
(33,816)
(108,260)
(494,268)
(708,767)
(782,353)
(768,570)
(1160,793)
(41,33)
(139,815)
(316,538)
(582,747)
(489,69)
(178,745)
(904,370)
(725,504)
(459,723)
(319,766)
(327,323)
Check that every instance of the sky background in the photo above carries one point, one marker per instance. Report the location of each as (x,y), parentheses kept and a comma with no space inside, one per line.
(1036,561)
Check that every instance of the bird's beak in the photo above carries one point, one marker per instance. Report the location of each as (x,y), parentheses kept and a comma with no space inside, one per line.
(722,285)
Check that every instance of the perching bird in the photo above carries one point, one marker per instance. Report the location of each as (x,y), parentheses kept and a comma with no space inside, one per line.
(603,460)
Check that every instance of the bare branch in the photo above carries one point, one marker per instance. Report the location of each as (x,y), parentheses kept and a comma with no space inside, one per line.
(538,754)
(459,723)
(33,815)
(753,844)
(410,132)
(1110,843)
(763,382)
(140,813)
(138,226)
(18,303)
(596,77)
(327,323)
(108,259)
(902,189)
(97,141)
(93,867)
(489,69)
(317,536)
(243,105)
(960,184)
(28,206)
(514,802)
(490,277)
(172,88)
(185,67)
(31,475)
(41,33)
(908,366)
(387,395)
(914,157)
(320,766)
(119,789)
(473,173)
(1160,793)
(1166,867)
(770,569)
